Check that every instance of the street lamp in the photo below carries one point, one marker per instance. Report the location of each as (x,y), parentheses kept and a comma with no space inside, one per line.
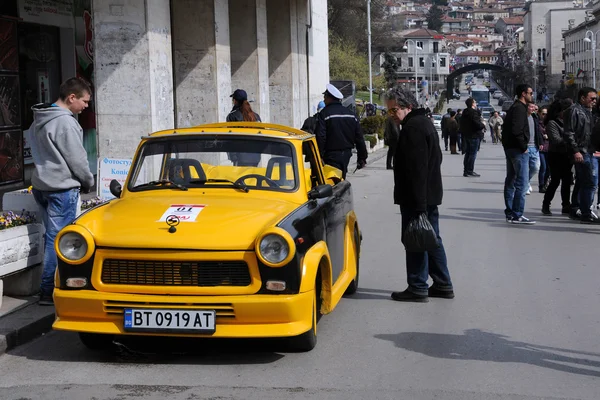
(405,47)
(370,66)
(593,42)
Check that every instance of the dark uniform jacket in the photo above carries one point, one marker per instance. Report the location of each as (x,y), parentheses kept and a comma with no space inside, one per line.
(579,124)
(391,133)
(515,131)
(555,132)
(338,129)
(417,163)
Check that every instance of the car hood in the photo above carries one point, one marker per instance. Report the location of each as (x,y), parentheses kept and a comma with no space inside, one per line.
(221,223)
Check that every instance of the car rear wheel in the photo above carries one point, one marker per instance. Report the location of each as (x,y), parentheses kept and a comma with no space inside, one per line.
(353,286)
(95,341)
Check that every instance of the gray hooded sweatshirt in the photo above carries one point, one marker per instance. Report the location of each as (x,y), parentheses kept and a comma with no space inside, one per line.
(57,149)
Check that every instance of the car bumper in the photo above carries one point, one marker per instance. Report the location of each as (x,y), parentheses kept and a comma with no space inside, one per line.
(250,316)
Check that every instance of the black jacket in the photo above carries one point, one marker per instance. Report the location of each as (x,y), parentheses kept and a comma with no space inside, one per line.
(538,139)
(417,163)
(470,124)
(338,129)
(445,119)
(392,132)
(555,132)
(515,131)
(579,124)
(242,159)
(310,124)
(235,115)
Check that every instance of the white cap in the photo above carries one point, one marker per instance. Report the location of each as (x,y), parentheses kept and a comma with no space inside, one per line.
(334,91)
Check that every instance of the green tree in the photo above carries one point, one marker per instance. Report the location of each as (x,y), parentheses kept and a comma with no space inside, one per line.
(345,62)
(348,19)
(390,66)
(434,18)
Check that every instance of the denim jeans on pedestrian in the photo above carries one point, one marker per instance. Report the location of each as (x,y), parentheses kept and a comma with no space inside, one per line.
(544,173)
(421,265)
(471,148)
(516,182)
(587,176)
(57,209)
(534,162)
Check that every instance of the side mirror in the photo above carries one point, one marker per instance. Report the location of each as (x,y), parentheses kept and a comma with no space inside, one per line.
(321,192)
(115,188)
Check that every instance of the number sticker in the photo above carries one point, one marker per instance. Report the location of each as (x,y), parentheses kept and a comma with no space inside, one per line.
(185,212)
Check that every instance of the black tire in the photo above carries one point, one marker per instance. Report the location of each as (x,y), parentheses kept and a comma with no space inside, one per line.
(308,340)
(353,286)
(96,341)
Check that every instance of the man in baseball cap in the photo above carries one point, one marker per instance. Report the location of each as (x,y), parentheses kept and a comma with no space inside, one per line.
(338,131)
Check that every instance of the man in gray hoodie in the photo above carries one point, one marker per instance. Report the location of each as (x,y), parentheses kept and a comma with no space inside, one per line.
(61,168)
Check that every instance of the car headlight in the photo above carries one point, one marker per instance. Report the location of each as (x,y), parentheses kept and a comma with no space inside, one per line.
(72,246)
(275,247)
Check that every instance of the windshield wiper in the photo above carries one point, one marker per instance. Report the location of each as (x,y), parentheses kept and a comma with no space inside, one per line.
(162,182)
(237,185)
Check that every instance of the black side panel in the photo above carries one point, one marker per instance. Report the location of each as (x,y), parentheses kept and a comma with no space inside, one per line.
(335,213)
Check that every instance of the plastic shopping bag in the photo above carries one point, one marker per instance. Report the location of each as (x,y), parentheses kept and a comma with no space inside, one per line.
(419,235)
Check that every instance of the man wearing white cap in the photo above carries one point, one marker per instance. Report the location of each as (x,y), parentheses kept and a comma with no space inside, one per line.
(338,131)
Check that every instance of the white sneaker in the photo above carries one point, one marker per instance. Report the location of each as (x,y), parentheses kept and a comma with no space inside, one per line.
(522,221)
(528,190)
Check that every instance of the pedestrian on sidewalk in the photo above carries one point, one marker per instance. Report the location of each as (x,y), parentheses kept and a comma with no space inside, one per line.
(242,111)
(452,127)
(472,130)
(558,159)
(61,168)
(310,123)
(515,140)
(443,123)
(418,190)
(535,141)
(544,172)
(338,132)
(390,135)
(579,124)
(459,137)
(495,123)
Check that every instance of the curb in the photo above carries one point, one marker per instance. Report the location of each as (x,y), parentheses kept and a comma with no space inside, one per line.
(25,325)
(373,157)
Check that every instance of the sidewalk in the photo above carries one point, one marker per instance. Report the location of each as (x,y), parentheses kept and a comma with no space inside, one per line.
(22,319)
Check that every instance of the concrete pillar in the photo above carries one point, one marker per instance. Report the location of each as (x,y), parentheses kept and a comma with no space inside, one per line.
(280,61)
(249,53)
(202,61)
(133,73)
(318,50)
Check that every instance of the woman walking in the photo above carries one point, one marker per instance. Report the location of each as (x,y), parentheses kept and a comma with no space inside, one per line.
(558,159)
(243,112)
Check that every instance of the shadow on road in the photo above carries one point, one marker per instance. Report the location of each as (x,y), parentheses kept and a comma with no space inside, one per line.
(478,345)
(370,294)
(157,350)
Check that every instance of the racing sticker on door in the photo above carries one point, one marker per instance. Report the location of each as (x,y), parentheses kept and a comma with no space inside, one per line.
(185,212)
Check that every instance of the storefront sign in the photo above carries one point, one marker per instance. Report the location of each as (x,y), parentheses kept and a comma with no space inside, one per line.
(109,169)
(47,12)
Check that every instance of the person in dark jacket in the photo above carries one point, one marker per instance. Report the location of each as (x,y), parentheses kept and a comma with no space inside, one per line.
(515,140)
(390,135)
(579,124)
(559,162)
(243,112)
(445,135)
(452,127)
(418,190)
(472,129)
(338,131)
(544,172)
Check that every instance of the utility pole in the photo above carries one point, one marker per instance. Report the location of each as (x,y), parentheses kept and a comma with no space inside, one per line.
(370,66)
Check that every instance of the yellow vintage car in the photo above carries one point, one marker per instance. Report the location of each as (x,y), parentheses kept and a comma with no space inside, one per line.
(230,230)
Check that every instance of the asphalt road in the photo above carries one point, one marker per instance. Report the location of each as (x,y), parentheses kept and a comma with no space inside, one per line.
(524,324)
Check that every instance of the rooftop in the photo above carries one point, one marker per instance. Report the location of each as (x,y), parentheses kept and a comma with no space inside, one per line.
(513,20)
(425,33)
(477,54)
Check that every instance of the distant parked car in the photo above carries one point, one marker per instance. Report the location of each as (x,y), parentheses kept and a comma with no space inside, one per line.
(437,121)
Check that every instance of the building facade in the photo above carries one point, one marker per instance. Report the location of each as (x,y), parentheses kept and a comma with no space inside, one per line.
(163,64)
(579,53)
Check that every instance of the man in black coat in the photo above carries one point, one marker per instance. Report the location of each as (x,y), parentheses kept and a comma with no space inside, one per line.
(472,129)
(338,131)
(418,190)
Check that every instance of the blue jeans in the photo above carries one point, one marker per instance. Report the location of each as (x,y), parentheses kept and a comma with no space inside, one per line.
(534,162)
(587,175)
(516,183)
(419,266)
(471,148)
(58,209)
(544,173)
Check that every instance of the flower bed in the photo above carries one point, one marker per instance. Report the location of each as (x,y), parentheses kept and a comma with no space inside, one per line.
(86,204)
(10,219)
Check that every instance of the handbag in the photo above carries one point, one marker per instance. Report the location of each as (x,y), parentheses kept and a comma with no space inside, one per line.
(419,235)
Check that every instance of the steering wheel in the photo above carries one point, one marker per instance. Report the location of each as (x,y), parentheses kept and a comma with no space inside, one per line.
(259,179)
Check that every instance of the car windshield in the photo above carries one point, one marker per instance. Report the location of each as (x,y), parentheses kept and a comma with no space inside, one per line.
(237,162)
(437,117)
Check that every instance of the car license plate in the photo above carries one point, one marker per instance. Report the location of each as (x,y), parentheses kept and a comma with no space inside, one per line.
(159,320)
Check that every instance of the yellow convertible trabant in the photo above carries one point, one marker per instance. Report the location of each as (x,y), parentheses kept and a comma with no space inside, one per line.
(232,230)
